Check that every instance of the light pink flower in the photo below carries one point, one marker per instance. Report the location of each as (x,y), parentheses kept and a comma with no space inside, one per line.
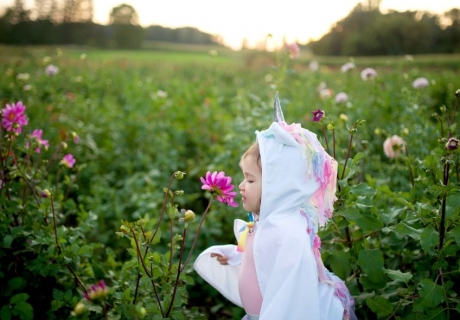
(37,135)
(341,97)
(368,74)
(325,93)
(420,83)
(347,67)
(394,146)
(293,49)
(220,185)
(68,161)
(13,117)
(51,70)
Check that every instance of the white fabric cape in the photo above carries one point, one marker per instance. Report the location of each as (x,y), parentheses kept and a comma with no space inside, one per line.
(285,264)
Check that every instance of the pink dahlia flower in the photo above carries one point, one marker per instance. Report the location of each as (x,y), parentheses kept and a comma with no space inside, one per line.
(420,83)
(394,146)
(217,183)
(68,161)
(368,74)
(51,70)
(13,117)
(347,67)
(293,49)
(37,135)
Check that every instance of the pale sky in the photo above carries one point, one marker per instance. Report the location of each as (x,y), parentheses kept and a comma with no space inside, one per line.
(234,20)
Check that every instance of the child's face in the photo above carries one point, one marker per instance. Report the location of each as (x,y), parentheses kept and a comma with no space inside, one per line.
(251,187)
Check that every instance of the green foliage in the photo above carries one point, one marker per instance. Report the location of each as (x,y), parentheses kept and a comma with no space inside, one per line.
(394,236)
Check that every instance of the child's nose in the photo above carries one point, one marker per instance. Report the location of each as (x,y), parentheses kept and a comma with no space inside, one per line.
(241,185)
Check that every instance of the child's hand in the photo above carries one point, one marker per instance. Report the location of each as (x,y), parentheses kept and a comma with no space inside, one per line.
(223,260)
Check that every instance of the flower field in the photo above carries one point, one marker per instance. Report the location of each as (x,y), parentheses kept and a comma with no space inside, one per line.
(102,209)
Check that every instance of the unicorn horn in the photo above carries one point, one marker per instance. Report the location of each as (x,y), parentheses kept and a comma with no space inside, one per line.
(277,107)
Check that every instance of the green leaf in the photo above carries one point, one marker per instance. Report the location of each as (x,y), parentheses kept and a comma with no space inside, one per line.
(455,232)
(371,261)
(362,189)
(398,275)
(7,240)
(379,305)
(431,295)
(349,213)
(403,229)
(14,284)
(19,298)
(358,156)
(428,239)
(340,263)
(5,313)
(368,223)
(25,310)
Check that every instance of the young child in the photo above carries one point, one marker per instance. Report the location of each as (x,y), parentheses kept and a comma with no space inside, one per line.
(276,271)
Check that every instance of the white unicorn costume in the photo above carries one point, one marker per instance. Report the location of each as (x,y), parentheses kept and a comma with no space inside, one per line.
(298,192)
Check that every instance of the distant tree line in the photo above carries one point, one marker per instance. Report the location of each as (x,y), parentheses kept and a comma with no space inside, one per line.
(366,31)
(71,22)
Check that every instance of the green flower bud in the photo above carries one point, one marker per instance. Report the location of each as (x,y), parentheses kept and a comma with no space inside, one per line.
(124,229)
(179,175)
(330,126)
(189,216)
(79,309)
(46,193)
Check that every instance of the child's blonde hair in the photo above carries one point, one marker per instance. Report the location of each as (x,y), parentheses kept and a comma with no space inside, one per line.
(254,152)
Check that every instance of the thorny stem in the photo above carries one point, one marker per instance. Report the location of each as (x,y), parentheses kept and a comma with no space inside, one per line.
(176,283)
(196,234)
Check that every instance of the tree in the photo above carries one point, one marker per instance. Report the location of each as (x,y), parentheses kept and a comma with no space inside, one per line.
(124,14)
(78,11)
(47,10)
(17,13)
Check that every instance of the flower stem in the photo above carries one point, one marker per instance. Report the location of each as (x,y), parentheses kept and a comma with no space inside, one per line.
(161,215)
(442,227)
(197,233)
(54,224)
(347,157)
(325,139)
(179,270)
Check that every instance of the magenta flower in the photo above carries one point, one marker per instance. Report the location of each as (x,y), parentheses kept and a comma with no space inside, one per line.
(452,144)
(37,135)
(368,74)
(13,117)
(51,70)
(96,292)
(393,146)
(218,184)
(68,161)
(318,115)
(420,83)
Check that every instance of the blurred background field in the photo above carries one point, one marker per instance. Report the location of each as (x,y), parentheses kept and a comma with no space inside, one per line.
(133,106)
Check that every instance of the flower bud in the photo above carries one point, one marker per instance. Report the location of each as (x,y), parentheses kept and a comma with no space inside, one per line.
(189,216)
(46,193)
(79,309)
(124,229)
(330,126)
(457,93)
(452,144)
(179,175)
(179,192)
(64,145)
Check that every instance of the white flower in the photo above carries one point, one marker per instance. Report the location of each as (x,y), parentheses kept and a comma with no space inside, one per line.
(347,67)
(51,70)
(314,65)
(341,97)
(420,83)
